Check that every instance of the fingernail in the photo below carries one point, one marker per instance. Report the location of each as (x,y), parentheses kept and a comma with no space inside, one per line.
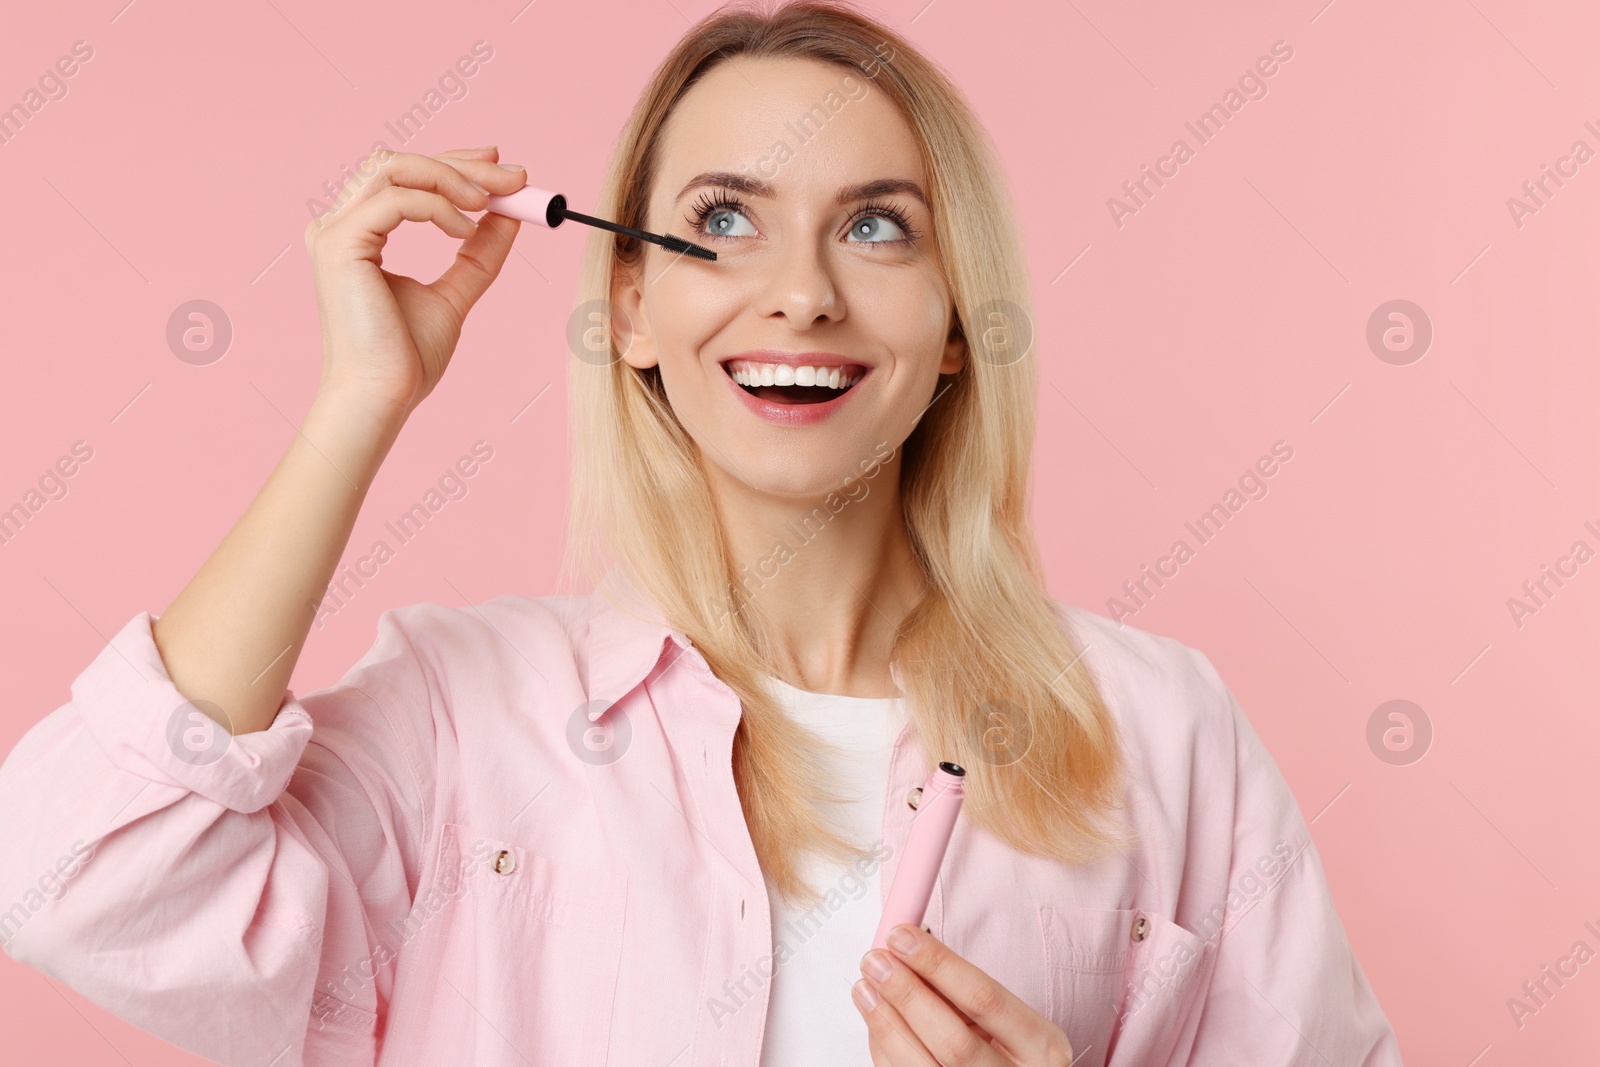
(864,995)
(902,940)
(876,966)
(486,148)
(510,166)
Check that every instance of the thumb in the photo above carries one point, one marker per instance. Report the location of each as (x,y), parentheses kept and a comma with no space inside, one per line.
(478,262)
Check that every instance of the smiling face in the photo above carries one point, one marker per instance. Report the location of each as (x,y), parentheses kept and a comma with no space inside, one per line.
(808,184)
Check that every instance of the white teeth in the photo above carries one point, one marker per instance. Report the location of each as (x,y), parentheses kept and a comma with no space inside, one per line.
(746,372)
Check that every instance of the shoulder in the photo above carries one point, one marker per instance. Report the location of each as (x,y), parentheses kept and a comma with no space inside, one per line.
(425,654)
(1168,701)
(466,673)
(443,633)
(1200,788)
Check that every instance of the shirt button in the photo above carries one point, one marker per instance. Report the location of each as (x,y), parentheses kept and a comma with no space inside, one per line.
(1141,928)
(913,797)
(504,862)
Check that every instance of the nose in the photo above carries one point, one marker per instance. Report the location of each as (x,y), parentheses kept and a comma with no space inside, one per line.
(802,287)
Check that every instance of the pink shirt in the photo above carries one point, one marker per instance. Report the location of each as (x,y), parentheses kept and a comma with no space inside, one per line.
(510,835)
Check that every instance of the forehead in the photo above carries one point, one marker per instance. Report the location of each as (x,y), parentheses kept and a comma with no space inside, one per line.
(802,125)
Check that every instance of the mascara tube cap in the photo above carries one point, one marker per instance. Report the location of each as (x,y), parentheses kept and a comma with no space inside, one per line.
(531,205)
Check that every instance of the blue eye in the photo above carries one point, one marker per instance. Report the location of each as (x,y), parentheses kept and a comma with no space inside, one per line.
(717,217)
(867,226)
(723,222)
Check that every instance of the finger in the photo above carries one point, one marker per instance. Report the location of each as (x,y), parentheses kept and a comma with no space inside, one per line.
(498,178)
(988,1005)
(964,1017)
(879,1057)
(477,263)
(941,1029)
(889,1038)
(489,152)
(410,170)
(384,212)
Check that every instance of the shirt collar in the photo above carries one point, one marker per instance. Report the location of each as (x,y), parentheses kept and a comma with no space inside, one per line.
(628,635)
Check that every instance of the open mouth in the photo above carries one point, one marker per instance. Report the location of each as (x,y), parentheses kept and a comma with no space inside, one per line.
(780,383)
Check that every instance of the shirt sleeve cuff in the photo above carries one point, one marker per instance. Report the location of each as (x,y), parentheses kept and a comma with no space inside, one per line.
(148,728)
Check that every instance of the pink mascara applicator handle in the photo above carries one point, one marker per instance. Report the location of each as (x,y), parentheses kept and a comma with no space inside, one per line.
(931,827)
(531,205)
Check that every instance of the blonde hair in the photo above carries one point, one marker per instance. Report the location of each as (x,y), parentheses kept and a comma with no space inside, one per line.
(986,648)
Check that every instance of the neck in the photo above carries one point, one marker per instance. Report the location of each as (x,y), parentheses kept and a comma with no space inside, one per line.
(827,579)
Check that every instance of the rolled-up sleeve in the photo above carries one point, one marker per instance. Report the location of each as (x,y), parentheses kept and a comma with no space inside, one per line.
(223,893)
(1286,988)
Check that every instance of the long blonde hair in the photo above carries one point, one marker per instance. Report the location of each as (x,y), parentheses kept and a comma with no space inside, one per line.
(991,674)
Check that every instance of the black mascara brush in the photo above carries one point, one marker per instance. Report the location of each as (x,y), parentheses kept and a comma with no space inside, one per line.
(550,209)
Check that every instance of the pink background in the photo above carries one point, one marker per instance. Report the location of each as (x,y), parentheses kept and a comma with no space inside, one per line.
(1228,313)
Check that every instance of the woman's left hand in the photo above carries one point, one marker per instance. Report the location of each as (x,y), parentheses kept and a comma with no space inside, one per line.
(932,1007)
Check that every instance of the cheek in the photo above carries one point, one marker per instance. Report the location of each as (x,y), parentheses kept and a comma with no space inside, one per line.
(686,310)
(911,321)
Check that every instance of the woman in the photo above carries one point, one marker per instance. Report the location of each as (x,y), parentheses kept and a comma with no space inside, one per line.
(654,825)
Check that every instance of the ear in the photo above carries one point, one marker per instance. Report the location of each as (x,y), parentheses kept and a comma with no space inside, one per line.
(955,347)
(630,321)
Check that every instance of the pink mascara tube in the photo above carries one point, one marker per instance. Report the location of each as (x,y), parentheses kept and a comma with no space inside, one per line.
(937,809)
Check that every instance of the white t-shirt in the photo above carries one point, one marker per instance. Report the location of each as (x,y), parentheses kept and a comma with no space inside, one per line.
(810,1016)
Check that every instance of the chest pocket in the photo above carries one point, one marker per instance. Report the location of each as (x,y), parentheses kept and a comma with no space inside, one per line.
(545,941)
(1123,984)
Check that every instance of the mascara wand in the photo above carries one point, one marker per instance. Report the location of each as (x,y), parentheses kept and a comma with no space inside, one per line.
(550,209)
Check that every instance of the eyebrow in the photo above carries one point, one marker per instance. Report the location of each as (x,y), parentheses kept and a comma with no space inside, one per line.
(743,183)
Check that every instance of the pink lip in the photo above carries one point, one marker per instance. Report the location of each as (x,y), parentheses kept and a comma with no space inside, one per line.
(795,414)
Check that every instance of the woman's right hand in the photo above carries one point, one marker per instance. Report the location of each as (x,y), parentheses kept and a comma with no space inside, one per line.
(387,337)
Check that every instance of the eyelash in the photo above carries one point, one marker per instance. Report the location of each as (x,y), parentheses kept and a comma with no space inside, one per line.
(721,199)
